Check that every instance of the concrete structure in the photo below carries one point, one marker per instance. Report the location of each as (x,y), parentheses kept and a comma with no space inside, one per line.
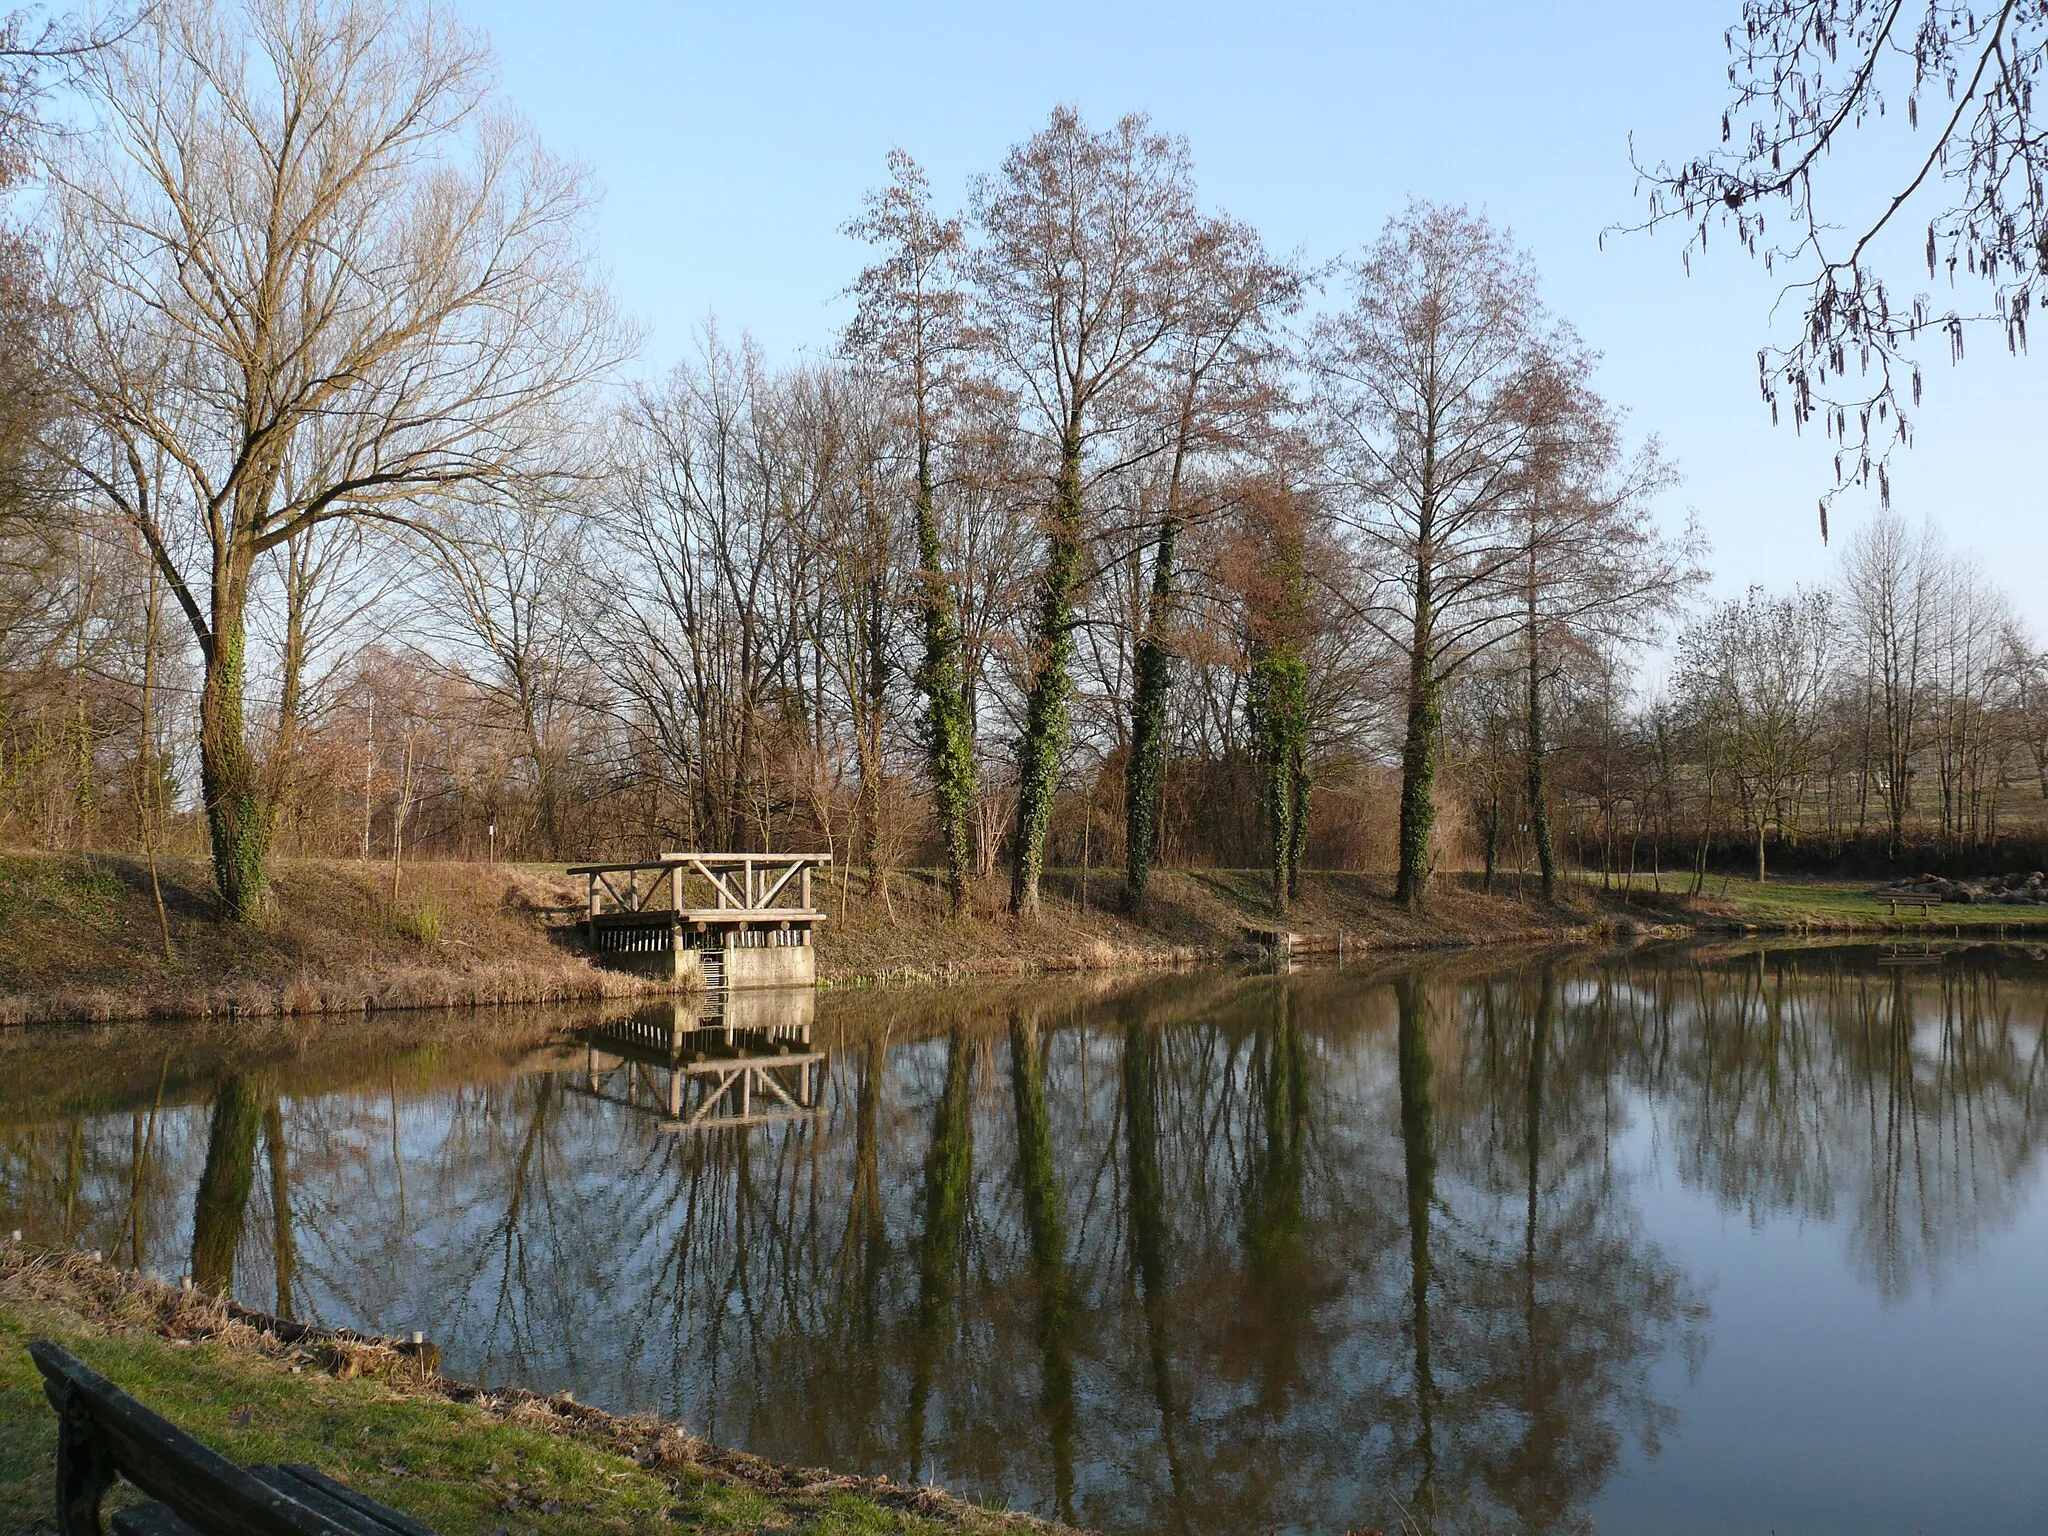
(720,921)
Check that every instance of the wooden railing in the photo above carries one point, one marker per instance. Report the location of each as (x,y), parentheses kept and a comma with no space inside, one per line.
(739,886)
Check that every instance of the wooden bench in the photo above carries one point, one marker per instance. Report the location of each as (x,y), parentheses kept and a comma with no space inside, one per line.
(1926,904)
(104,1436)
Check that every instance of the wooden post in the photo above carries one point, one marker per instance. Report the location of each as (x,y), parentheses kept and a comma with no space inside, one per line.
(807,887)
(593,911)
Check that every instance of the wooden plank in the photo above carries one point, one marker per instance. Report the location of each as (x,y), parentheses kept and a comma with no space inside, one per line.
(693,855)
(310,1486)
(715,915)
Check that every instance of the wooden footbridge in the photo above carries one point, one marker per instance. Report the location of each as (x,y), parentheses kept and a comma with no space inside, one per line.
(727,920)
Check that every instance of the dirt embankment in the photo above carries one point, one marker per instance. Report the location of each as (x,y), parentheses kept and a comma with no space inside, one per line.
(80,940)
(80,937)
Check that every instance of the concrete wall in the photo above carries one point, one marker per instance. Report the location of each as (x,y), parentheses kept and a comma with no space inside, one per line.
(778,965)
(680,965)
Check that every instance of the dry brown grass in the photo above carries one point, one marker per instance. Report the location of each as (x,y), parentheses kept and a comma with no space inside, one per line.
(902,929)
(79,940)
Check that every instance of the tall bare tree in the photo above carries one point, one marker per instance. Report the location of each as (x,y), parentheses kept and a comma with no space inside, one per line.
(1421,390)
(1081,274)
(1594,569)
(306,258)
(912,322)
(1216,385)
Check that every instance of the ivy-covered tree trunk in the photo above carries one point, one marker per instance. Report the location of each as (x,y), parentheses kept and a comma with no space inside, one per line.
(1046,709)
(949,728)
(1145,778)
(1419,753)
(1490,834)
(1539,795)
(1278,698)
(232,783)
(1298,788)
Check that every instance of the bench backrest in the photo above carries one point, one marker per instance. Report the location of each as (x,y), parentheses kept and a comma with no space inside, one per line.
(104,1433)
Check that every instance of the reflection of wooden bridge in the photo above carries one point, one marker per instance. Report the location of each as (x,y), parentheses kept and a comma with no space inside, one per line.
(707,1071)
(727,920)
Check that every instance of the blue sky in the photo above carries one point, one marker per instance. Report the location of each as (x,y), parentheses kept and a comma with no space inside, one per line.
(734,140)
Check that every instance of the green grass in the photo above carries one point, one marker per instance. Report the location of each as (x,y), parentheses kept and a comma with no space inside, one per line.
(460,1468)
(1842,903)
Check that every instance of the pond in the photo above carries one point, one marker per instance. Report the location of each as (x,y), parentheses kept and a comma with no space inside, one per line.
(1655,1241)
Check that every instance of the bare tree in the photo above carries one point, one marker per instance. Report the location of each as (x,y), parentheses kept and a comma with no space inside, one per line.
(506,587)
(1594,570)
(1421,384)
(306,260)
(1216,388)
(1081,275)
(1754,673)
(912,322)
(1889,576)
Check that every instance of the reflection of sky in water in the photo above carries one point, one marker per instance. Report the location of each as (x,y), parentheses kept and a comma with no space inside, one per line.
(1146,1254)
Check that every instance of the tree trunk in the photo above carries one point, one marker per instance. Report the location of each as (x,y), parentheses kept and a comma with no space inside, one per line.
(1539,798)
(1418,755)
(231,784)
(1044,742)
(1147,772)
(1298,787)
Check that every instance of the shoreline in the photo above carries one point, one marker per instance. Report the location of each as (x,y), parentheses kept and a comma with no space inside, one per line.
(480,1452)
(80,941)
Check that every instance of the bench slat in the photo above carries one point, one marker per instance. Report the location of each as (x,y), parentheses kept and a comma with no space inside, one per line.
(339,1502)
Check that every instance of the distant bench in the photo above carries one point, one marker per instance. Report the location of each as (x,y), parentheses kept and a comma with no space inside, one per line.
(1926,904)
(104,1436)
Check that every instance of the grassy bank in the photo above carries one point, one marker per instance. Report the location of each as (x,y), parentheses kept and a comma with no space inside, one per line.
(901,928)
(80,939)
(462,1460)
(1797,905)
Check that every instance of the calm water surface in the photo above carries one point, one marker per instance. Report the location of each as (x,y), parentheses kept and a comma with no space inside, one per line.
(1661,1242)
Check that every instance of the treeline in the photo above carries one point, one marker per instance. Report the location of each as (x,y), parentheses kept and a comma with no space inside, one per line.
(333,524)
(1896,717)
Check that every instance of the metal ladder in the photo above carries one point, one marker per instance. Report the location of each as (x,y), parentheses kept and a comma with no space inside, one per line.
(713,963)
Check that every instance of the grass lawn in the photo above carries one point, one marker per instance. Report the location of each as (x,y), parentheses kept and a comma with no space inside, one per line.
(1823,903)
(516,1467)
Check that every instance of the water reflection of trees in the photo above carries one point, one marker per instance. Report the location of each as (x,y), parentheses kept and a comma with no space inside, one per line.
(1206,1255)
